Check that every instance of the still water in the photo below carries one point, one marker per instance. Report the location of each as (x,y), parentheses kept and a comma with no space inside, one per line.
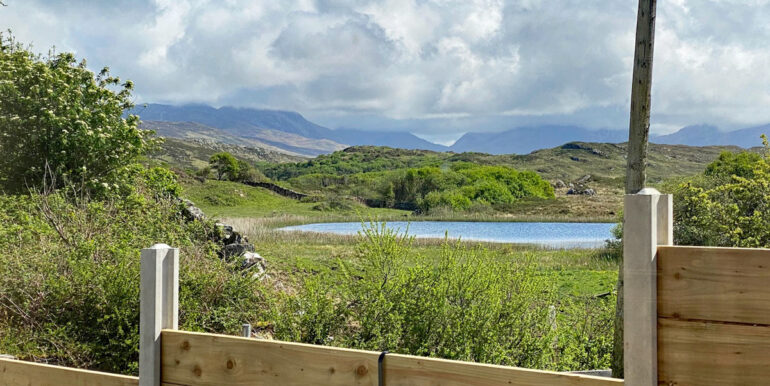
(548,234)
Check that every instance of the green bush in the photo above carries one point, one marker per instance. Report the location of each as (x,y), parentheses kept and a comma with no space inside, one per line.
(462,305)
(69,278)
(60,123)
(729,205)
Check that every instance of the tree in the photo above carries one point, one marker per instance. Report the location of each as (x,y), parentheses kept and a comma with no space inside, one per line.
(248,173)
(225,165)
(638,133)
(61,122)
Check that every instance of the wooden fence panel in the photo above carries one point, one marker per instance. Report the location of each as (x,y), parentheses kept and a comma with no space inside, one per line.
(717,284)
(207,359)
(713,316)
(702,353)
(20,373)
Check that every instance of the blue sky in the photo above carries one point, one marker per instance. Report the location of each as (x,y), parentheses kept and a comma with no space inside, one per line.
(438,68)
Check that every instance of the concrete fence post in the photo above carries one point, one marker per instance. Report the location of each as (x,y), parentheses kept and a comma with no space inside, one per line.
(648,223)
(158,307)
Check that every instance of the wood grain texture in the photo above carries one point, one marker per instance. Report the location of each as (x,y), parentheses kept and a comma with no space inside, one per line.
(716,284)
(207,359)
(20,373)
(703,353)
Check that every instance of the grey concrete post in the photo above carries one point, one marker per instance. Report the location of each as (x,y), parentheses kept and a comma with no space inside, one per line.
(158,307)
(648,223)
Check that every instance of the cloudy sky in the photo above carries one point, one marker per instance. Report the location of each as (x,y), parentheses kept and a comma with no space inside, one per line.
(438,68)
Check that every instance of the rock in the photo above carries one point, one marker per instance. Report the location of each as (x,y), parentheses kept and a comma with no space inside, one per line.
(231,250)
(571,185)
(583,180)
(559,184)
(231,236)
(574,158)
(191,211)
(571,146)
(251,258)
(255,264)
(580,190)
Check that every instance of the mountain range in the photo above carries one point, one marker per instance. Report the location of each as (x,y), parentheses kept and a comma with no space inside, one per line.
(291,133)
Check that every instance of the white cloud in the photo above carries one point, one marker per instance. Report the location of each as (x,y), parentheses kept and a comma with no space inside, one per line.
(425,65)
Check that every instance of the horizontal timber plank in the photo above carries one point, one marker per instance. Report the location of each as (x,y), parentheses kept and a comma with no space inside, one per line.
(207,359)
(717,284)
(21,373)
(705,353)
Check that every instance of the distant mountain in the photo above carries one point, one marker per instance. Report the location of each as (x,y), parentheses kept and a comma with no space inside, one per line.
(524,140)
(238,121)
(290,132)
(287,130)
(705,135)
(401,139)
(267,139)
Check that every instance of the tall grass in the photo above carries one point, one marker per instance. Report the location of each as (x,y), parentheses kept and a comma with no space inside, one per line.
(462,303)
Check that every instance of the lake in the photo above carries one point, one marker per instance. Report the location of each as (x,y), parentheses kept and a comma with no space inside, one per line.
(548,234)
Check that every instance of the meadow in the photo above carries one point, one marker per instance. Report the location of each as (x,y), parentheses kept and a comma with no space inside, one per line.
(327,279)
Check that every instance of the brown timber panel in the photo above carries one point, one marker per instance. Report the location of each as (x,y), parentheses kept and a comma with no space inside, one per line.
(207,359)
(20,373)
(716,284)
(703,353)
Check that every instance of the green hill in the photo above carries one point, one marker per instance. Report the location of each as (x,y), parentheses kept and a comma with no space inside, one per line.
(348,179)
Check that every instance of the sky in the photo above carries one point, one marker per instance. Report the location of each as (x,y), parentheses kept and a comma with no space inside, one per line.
(437,68)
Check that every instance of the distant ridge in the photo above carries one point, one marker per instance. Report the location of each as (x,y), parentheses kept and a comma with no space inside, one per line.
(266,126)
(527,139)
(292,133)
(706,135)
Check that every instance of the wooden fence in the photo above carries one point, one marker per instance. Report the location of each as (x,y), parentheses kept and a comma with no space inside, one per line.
(713,316)
(693,316)
(206,359)
(19,373)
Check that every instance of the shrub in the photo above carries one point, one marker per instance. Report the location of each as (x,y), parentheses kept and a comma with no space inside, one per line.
(463,305)
(717,210)
(58,119)
(69,278)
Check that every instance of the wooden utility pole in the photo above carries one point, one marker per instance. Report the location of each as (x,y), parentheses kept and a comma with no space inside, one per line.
(638,133)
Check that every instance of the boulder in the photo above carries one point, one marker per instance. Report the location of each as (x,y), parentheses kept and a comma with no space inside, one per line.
(230,236)
(231,250)
(255,265)
(250,259)
(584,180)
(192,212)
(559,184)
(581,190)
